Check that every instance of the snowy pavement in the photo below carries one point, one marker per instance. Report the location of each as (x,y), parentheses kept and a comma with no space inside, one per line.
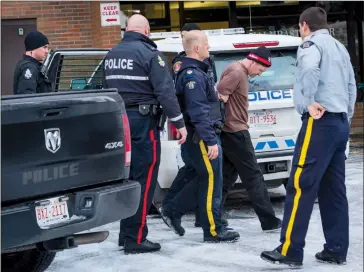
(189,253)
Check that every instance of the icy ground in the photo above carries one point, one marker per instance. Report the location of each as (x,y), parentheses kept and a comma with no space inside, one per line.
(189,253)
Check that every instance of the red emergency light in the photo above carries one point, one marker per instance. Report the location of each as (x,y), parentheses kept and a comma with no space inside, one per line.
(255,44)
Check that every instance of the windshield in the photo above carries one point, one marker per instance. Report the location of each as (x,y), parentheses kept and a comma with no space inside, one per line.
(281,75)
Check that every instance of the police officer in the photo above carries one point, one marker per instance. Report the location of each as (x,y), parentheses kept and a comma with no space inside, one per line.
(202,151)
(177,61)
(187,174)
(139,71)
(325,95)
(27,75)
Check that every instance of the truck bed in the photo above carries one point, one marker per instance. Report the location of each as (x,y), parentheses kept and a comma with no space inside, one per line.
(58,142)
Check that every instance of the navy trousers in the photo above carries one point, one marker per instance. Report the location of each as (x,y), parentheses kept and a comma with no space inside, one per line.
(206,187)
(184,176)
(145,160)
(318,169)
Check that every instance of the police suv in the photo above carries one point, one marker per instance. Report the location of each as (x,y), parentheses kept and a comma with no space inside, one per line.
(273,121)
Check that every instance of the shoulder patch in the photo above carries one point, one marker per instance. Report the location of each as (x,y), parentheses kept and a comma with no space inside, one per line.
(306,44)
(27,74)
(177,66)
(191,85)
(189,74)
(161,62)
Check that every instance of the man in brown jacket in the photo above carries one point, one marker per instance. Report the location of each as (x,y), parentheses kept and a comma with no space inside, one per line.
(239,154)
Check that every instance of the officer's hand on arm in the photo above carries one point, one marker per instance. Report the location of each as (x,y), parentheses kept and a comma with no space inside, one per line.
(198,108)
(181,135)
(28,80)
(308,74)
(165,92)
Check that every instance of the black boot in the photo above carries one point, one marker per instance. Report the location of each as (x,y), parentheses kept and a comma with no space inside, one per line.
(272,226)
(328,257)
(172,222)
(224,237)
(147,246)
(277,258)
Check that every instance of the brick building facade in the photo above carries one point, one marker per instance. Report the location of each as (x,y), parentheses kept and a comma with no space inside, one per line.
(66,24)
(77,24)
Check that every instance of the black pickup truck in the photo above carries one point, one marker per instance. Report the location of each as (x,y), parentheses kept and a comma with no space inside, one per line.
(65,159)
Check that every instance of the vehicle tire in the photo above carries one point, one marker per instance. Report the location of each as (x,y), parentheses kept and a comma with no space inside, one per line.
(32,260)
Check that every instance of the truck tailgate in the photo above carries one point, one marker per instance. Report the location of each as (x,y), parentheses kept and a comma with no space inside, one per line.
(60,141)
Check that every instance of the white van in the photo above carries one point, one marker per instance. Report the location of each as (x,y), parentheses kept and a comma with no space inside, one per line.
(273,121)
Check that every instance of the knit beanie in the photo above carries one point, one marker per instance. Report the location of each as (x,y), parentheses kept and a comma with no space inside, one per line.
(34,40)
(261,55)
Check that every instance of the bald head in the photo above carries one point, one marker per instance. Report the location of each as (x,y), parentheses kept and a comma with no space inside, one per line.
(195,44)
(138,23)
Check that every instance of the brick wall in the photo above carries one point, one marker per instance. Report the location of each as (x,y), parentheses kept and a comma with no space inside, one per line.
(103,37)
(67,24)
(357,124)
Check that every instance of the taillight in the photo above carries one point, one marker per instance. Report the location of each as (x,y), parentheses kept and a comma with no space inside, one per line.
(172,132)
(127,139)
(255,44)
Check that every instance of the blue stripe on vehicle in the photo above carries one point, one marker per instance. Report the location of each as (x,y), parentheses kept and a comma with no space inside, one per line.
(273,144)
(260,145)
(290,143)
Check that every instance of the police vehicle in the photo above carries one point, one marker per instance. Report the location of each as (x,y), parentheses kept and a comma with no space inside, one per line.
(273,121)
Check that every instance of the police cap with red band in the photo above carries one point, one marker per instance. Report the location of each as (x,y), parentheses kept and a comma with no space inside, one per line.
(261,55)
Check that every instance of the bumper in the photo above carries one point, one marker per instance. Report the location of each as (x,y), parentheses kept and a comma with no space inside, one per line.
(110,203)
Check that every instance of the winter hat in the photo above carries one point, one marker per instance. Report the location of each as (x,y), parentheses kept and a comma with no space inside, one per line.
(34,40)
(189,27)
(261,55)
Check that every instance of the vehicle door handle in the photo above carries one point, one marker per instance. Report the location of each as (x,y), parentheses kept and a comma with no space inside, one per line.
(53,112)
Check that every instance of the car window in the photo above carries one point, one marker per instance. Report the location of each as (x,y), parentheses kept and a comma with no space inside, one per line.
(281,75)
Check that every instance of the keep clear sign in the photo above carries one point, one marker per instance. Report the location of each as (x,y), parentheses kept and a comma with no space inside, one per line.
(110,14)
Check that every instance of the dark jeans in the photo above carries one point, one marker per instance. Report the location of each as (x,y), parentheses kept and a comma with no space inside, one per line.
(239,159)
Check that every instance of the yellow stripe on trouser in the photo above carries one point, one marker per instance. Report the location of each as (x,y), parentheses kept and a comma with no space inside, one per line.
(296,180)
(210,189)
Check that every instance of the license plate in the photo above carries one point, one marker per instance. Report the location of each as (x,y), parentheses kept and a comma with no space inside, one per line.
(51,211)
(262,118)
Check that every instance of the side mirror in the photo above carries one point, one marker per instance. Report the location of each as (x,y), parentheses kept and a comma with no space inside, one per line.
(78,83)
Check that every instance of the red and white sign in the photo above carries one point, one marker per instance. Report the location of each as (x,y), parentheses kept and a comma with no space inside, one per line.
(110,14)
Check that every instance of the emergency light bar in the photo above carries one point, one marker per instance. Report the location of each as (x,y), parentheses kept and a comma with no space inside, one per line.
(255,44)
(210,32)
